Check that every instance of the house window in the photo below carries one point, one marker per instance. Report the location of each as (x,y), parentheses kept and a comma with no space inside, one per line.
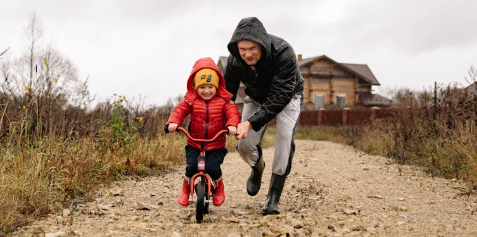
(341,101)
(319,101)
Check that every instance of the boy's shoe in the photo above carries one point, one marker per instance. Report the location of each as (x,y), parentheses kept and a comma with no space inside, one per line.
(219,195)
(183,199)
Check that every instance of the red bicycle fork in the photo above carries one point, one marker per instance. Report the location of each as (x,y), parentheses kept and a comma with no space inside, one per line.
(202,176)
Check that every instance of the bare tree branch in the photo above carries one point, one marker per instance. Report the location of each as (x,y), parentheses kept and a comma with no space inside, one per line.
(472,78)
(4,52)
(34,32)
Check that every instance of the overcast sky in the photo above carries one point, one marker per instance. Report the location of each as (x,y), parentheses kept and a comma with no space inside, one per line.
(146,48)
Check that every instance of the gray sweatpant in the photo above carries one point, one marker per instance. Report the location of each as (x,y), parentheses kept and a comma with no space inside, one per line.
(249,147)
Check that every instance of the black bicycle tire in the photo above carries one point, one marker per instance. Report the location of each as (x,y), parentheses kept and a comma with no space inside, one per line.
(200,203)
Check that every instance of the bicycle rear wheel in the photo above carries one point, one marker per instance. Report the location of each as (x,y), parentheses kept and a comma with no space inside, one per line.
(201,202)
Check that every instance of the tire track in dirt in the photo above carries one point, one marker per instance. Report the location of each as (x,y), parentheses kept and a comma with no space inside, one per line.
(333,190)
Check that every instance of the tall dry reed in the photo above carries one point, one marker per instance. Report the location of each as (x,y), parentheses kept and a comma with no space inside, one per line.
(435,129)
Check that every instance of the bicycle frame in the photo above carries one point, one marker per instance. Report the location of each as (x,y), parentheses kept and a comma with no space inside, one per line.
(201,162)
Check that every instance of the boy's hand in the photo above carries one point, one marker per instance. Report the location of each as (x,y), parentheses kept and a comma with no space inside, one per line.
(232,130)
(172,127)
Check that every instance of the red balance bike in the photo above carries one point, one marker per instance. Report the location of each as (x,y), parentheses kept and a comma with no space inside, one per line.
(202,187)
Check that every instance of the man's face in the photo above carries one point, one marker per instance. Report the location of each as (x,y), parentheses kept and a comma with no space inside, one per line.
(250,51)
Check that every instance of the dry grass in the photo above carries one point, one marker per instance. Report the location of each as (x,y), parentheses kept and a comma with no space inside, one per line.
(49,158)
(43,178)
(433,129)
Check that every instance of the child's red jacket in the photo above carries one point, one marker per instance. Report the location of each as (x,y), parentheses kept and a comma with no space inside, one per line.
(207,117)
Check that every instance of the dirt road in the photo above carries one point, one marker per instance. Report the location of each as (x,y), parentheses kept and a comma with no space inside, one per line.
(333,190)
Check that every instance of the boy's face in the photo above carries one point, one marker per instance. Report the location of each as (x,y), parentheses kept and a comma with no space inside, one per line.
(206,91)
(250,51)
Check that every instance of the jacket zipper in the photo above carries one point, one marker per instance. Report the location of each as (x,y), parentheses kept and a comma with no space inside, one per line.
(206,119)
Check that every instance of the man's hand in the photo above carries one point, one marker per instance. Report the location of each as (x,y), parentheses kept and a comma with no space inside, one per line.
(172,127)
(232,130)
(243,129)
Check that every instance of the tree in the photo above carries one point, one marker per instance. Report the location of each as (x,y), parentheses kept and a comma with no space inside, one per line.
(44,83)
(43,72)
(472,77)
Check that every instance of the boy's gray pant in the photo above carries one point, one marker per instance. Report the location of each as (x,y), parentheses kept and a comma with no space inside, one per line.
(284,139)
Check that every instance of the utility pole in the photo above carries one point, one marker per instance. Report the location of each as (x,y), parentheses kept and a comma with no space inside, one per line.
(435,99)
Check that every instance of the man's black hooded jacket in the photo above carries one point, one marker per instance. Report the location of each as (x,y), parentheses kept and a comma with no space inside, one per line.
(273,81)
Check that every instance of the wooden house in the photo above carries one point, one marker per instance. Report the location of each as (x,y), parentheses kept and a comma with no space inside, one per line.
(332,85)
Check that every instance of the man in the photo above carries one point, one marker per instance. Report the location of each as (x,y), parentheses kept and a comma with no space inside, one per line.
(267,66)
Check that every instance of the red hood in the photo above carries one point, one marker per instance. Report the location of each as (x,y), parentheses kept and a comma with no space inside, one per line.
(207,62)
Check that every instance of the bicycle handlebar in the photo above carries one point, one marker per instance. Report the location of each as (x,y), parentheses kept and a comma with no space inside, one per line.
(221,132)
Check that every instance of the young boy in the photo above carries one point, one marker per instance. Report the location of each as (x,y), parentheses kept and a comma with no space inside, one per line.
(211,110)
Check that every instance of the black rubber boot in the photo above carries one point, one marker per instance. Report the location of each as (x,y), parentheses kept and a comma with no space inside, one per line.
(276,187)
(255,179)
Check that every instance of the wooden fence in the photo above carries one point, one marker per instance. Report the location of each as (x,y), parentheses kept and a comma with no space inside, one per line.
(343,117)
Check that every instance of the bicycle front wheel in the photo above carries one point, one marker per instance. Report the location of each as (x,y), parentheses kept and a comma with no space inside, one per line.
(201,202)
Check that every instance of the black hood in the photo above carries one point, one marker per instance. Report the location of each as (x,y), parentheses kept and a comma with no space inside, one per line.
(251,28)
